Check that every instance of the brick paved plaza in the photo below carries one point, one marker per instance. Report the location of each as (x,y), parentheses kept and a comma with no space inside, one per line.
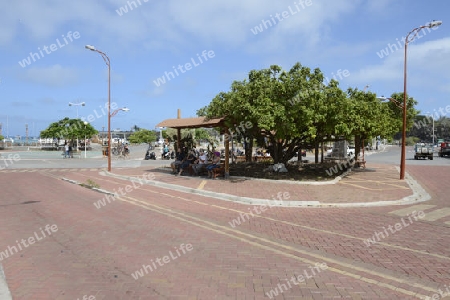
(159,243)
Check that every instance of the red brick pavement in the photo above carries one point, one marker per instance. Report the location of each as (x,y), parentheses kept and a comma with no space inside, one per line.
(95,251)
(378,183)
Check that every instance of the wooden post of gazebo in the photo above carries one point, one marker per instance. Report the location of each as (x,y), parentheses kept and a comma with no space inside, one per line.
(179,131)
(227,153)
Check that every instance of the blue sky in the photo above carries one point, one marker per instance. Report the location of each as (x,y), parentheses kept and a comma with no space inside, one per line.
(45,65)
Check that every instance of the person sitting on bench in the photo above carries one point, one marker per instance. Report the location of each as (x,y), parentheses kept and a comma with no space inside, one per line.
(187,162)
(200,162)
(178,161)
(215,164)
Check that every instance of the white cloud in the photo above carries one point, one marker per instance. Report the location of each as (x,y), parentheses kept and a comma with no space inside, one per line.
(426,60)
(160,25)
(54,76)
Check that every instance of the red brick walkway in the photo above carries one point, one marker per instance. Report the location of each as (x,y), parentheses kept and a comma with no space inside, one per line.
(95,251)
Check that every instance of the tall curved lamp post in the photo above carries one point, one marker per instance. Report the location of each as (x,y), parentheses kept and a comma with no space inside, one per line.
(85,145)
(409,38)
(77,104)
(108,63)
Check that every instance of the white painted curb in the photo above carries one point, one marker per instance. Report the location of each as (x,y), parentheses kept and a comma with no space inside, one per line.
(4,291)
(419,195)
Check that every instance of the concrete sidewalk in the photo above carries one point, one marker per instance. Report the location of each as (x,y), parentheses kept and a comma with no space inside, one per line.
(375,186)
(4,291)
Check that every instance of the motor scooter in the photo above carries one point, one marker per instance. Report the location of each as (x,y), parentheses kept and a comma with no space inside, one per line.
(150,155)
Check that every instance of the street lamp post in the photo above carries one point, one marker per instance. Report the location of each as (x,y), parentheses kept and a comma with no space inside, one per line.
(432,134)
(85,123)
(108,63)
(76,105)
(409,38)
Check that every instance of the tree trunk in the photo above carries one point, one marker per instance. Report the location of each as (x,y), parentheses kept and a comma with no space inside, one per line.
(316,149)
(357,145)
(278,158)
(248,149)
(321,152)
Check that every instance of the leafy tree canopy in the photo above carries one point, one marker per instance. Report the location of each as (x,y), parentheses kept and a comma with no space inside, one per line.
(142,136)
(68,129)
(290,110)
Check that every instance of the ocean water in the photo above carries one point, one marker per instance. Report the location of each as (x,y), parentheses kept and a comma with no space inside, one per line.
(21,140)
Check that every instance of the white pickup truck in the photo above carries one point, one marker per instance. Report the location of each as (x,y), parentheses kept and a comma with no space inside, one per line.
(423,150)
(334,152)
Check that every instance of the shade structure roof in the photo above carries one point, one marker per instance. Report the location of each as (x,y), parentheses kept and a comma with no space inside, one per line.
(197,122)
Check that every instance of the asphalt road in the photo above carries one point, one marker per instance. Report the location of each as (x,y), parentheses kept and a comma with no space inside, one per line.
(22,159)
(392,154)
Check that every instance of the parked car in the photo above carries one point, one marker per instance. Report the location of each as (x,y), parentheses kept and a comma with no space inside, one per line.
(303,153)
(444,149)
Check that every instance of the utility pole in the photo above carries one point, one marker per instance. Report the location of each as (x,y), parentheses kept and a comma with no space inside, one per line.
(26,133)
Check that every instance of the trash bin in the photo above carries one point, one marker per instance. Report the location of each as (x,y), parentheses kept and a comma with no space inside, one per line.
(105,150)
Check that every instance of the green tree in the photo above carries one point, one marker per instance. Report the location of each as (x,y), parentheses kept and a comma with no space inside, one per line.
(297,109)
(288,110)
(135,128)
(396,111)
(2,137)
(142,136)
(202,134)
(68,129)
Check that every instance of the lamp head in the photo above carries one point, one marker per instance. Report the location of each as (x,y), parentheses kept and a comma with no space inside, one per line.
(85,122)
(83,104)
(90,47)
(125,109)
(434,23)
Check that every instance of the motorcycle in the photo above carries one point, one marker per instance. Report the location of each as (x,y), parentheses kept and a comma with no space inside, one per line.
(150,155)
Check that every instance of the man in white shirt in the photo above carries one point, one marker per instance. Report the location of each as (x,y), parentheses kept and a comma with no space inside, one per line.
(201,161)
(66,151)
